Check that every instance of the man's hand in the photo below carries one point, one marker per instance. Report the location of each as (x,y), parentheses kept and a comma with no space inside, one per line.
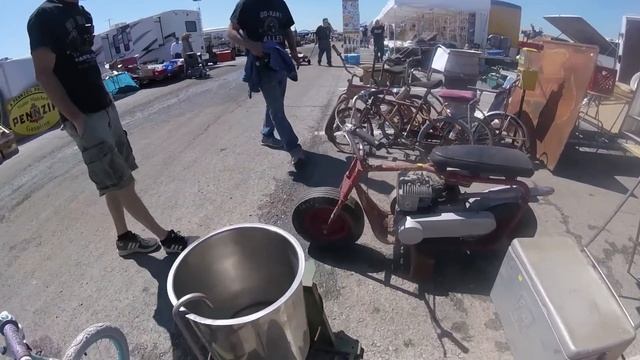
(255,48)
(79,124)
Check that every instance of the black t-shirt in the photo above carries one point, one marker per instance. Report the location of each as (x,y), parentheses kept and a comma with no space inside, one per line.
(67,29)
(323,34)
(263,20)
(378,34)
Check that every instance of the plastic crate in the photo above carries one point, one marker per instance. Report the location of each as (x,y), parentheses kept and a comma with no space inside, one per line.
(603,80)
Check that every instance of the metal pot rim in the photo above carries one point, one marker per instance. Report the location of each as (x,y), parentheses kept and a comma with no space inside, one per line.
(249,318)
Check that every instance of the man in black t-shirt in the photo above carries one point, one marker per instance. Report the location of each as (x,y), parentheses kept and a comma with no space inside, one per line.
(323,37)
(253,23)
(377,31)
(61,36)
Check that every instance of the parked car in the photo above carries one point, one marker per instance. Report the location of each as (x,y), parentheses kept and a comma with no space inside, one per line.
(8,144)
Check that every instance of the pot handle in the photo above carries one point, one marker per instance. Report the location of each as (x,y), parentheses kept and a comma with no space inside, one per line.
(187,330)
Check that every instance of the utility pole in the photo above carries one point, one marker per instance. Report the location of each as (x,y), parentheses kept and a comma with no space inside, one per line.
(109,22)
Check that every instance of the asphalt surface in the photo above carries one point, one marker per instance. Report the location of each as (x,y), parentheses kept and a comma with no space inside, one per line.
(202,168)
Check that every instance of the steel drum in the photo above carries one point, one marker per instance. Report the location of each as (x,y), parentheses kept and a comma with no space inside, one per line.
(237,294)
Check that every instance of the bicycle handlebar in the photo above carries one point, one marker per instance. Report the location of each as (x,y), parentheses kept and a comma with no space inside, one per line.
(344,64)
(16,346)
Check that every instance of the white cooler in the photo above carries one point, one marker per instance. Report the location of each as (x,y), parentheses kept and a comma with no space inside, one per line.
(554,304)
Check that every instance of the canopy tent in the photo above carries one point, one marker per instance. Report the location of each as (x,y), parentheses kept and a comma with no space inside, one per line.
(398,11)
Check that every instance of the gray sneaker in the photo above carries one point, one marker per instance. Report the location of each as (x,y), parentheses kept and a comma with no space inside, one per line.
(297,158)
(272,143)
(131,243)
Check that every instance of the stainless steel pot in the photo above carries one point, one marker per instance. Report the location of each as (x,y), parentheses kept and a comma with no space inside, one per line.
(237,294)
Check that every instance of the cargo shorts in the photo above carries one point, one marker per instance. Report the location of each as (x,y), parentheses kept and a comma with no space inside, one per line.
(106,150)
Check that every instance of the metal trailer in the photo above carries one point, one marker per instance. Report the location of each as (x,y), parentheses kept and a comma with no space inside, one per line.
(149,38)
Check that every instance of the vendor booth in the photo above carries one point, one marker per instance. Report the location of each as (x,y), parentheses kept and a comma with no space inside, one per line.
(460,22)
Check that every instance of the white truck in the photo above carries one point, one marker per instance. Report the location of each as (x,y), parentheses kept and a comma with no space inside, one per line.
(150,38)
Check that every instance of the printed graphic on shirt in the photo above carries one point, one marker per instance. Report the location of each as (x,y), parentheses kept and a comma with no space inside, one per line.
(272,30)
(80,33)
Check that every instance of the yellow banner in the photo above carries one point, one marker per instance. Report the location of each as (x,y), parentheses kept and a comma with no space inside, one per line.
(32,112)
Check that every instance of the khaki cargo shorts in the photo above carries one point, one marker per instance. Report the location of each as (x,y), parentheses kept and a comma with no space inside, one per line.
(106,150)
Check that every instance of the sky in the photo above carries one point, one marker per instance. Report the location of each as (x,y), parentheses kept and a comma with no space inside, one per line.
(604,15)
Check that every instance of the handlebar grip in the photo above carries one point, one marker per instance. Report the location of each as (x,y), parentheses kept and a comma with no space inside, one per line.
(335,48)
(16,346)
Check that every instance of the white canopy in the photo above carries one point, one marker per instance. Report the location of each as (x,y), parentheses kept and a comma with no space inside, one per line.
(397,11)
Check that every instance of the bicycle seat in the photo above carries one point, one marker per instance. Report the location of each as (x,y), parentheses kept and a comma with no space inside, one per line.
(457,95)
(396,70)
(429,85)
(479,160)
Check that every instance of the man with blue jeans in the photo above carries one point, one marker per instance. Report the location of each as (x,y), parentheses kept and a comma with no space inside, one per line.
(253,23)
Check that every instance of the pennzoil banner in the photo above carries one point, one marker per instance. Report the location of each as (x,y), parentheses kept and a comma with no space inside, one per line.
(31,112)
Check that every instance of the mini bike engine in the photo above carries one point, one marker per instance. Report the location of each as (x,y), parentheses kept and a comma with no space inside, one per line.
(427,208)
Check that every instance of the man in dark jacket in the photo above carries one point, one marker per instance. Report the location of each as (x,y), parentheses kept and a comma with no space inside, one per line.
(323,37)
(377,31)
(253,23)
(61,36)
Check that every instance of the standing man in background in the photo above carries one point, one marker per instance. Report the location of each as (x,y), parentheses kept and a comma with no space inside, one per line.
(377,31)
(176,49)
(365,37)
(256,25)
(323,37)
(61,37)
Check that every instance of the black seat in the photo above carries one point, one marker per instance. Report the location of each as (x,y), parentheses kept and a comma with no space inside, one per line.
(429,85)
(483,160)
(396,70)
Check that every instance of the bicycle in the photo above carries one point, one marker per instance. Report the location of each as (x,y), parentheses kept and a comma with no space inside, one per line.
(342,111)
(90,344)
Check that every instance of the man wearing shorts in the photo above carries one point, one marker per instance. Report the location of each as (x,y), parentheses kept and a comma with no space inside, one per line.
(61,38)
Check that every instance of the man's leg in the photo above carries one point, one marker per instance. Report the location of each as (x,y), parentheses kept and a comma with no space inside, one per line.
(274,86)
(268,132)
(329,55)
(320,53)
(117,213)
(123,190)
(131,202)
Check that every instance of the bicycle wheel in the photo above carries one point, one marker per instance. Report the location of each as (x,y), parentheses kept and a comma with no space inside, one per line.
(333,128)
(481,133)
(508,131)
(101,342)
(443,131)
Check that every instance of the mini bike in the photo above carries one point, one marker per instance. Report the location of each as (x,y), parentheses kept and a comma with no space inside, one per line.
(430,210)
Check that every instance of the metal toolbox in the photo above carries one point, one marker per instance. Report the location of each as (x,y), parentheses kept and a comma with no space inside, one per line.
(555,304)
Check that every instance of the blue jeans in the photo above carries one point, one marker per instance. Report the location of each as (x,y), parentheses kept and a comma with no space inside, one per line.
(273,85)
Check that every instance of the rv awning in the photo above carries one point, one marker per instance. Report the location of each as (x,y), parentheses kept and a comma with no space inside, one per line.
(579,30)
(399,10)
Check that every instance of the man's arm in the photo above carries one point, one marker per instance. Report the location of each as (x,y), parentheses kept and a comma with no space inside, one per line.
(44,61)
(237,38)
(291,40)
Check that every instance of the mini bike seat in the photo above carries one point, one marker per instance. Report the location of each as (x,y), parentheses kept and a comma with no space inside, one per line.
(479,160)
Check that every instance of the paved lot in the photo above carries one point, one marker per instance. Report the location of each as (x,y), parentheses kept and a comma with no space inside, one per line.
(202,168)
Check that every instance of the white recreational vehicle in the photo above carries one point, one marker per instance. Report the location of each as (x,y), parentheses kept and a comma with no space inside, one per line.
(149,38)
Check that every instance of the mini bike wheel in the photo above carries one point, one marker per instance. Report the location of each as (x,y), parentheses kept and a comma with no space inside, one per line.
(100,342)
(313,211)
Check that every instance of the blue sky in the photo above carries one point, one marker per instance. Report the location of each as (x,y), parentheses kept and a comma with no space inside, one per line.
(605,15)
